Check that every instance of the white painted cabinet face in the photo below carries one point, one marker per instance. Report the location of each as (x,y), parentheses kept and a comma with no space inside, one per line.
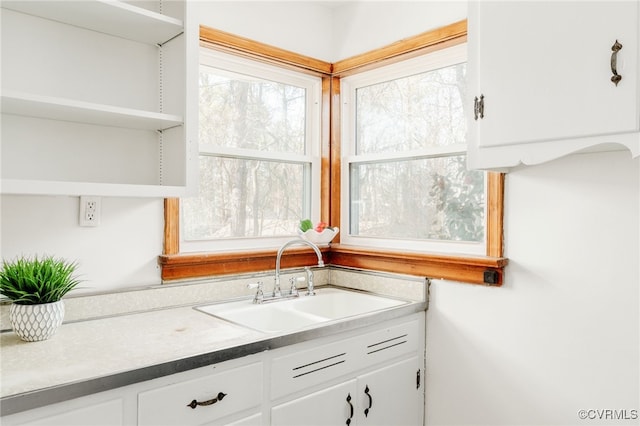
(392,395)
(372,379)
(543,71)
(111,112)
(95,410)
(255,420)
(388,396)
(363,378)
(203,400)
(331,406)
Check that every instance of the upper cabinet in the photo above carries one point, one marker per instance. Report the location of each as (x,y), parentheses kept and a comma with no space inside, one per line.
(99,98)
(551,78)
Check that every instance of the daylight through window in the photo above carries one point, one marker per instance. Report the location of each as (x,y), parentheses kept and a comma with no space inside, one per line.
(259,155)
(405,162)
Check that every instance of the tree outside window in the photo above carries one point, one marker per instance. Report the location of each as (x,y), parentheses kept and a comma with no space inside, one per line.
(406,158)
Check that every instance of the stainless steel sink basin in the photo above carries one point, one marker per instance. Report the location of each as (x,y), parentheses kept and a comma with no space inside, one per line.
(328,304)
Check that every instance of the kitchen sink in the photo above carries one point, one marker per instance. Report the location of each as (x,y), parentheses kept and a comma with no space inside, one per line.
(335,304)
(268,318)
(285,315)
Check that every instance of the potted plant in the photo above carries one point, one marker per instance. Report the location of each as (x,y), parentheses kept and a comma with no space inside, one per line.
(36,287)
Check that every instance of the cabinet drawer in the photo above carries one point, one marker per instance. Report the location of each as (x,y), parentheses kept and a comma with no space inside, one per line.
(169,405)
(389,342)
(307,368)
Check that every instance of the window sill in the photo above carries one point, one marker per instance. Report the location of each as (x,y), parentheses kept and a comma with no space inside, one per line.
(463,268)
(467,269)
(200,265)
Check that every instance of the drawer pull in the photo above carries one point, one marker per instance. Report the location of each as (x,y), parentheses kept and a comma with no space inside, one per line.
(366,410)
(351,408)
(193,404)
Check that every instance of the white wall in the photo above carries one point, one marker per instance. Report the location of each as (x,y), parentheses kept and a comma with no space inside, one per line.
(121,252)
(361,26)
(329,30)
(298,26)
(562,334)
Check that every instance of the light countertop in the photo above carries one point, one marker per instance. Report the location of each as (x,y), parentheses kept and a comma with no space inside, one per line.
(93,355)
(89,349)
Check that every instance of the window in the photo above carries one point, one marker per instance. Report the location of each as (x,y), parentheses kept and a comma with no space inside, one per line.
(404,174)
(259,155)
(368,243)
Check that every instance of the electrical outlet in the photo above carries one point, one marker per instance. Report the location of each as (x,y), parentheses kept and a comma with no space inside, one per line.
(89,211)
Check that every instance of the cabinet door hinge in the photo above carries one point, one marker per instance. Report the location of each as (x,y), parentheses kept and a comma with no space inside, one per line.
(478,107)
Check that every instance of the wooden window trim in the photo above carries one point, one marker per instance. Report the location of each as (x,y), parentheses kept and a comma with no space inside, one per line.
(470,269)
(223,41)
(420,44)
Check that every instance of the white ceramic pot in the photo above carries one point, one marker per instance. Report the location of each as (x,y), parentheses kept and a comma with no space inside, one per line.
(34,323)
(316,237)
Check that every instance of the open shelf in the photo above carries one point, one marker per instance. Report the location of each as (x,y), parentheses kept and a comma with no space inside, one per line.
(110,17)
(85,112)
(113,112)
(42,187)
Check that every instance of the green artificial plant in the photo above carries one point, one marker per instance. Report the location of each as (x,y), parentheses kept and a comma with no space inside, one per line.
(33,281)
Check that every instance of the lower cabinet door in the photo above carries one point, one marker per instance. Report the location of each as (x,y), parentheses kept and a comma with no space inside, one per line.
(332,406)
(107,413)
(392,395)
(255,420)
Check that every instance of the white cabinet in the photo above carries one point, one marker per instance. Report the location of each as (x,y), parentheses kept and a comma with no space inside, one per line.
(99,98)
(391,395)
(332,406)
(372,379)
(542,75)
(166,400)
(255,420)
(102,409)
(203,400)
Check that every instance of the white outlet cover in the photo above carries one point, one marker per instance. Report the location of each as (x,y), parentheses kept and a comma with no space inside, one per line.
(89,211)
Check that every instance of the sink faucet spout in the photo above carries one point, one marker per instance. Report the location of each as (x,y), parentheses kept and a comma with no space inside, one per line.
(298,241)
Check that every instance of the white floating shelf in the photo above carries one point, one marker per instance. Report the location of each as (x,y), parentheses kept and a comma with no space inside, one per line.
(45,187)
(85,112)
(106,16)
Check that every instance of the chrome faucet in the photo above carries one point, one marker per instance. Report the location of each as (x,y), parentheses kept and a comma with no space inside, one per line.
(298,241)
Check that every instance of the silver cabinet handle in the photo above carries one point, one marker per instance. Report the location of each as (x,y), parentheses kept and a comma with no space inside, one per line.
(615,78)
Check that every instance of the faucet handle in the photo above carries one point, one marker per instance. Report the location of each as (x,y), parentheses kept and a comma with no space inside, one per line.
(310,286)
(259,297)
(294,287)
